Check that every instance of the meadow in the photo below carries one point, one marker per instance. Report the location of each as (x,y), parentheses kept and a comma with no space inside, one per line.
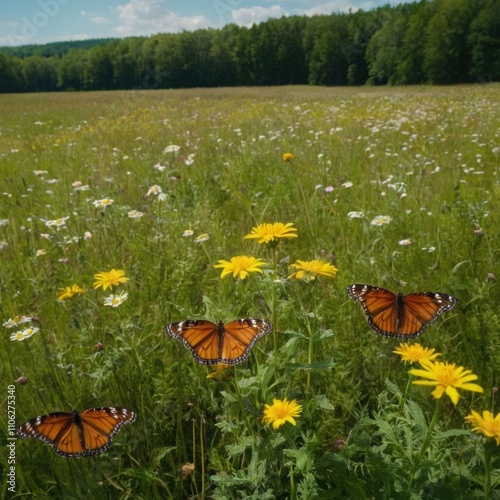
(165,184)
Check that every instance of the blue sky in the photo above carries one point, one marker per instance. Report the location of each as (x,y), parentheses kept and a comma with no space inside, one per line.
(42,21)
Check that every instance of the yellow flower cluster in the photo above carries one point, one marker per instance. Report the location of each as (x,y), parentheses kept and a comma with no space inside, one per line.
(446,377)
(242,265)
(107,279)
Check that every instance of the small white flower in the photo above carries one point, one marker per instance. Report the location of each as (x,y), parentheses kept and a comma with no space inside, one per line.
(16,320)
(329,189)
(114,300)
(189,160)
(380,220)
(355,215)
(87,235)
(188,232)
(58,223)
(172,149)
(155,190)
(103,203)
(41,251)
(24,334)
(135,214)
(405,242)
(347,184)
(201,238)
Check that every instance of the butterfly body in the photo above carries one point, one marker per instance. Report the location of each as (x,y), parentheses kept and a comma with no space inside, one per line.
(78,434)
(398,315)
(212,343)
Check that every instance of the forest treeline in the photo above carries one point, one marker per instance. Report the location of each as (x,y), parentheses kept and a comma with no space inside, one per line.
(437,42)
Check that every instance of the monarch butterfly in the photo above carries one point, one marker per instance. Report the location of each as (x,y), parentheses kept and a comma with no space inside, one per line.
(78,434)
(212,343)
(403,316)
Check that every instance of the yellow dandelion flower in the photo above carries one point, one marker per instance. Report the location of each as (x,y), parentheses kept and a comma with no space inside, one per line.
(281,412)
(488,425)
(447,377)
(241,266)
(266,233)
(414,353)
(308,270)
(69,292)
(287,157)
(109,279)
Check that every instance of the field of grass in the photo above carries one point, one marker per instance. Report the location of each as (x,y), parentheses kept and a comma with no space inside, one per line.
(428,158)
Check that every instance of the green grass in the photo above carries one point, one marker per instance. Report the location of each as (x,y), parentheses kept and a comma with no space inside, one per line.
(442,143)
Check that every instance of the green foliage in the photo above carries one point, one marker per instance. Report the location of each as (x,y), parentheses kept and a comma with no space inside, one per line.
(427,158)
(439,41)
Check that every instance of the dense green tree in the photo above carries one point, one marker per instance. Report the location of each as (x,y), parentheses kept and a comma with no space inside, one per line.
(409,68)
(221,63)
(384,50)
(484,43)
(11,73)
(328,64)
(40,73)
(446,58)
(99,69)
(70,70)
(124,56)
(430,41)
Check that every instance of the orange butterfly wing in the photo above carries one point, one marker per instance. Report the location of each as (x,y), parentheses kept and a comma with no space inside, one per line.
(401,316)
(212,343)
(78,434)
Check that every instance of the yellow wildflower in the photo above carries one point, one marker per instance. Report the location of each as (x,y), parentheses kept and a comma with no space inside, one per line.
(488,425)
(414,353)
(447,377)
(308,270)
(281,412)
(69,292)
(266,233)
(240,266)
(109,279)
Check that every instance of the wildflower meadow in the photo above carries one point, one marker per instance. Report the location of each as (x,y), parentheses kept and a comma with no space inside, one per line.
(127,218)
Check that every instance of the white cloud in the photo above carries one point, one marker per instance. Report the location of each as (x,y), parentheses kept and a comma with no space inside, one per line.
(146,17)
(247,17)
(14,40)
(99,20)
(93,18)
(337,6)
